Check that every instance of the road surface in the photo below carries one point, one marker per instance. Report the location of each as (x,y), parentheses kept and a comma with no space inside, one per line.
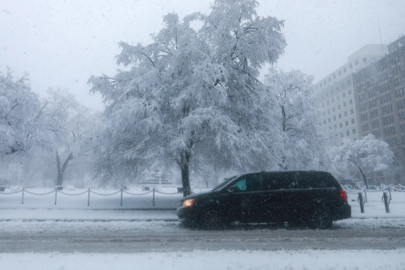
(164,236)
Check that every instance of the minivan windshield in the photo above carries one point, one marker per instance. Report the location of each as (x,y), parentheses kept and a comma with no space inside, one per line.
(224,183)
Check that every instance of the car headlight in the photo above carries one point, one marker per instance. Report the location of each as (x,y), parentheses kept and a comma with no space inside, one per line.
(189,202)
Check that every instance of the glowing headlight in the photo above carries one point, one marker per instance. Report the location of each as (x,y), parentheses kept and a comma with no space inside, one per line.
(189,202)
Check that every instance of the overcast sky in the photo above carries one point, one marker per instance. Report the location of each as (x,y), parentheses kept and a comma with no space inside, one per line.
(61,43)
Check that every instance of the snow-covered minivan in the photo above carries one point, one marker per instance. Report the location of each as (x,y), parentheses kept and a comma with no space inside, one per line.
(311,198)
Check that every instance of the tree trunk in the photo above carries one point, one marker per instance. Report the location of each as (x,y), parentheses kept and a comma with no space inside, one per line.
(364,177)
(61,169)
(185,172)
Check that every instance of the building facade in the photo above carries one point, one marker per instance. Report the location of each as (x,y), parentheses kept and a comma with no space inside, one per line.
(379,91)
(334,94)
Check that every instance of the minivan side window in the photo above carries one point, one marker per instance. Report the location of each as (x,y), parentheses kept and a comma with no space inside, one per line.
(314,180)
(279,181)
(250,182)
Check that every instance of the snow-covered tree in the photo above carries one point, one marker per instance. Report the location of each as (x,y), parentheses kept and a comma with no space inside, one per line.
(21,113)
(74,123)
(194,96)
(368,154)
(299,145)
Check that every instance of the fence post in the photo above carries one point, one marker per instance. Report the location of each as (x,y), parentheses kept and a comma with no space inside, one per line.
(121,196)
(22,199)
(88,198)
(386,203)
(56,194)
(361,202)
(153,199)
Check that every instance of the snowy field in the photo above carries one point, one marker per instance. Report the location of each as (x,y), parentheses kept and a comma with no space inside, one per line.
(39,213)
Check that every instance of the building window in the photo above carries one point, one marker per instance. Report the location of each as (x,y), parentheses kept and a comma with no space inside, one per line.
(345,113)
(363,117)
(351,111)
(344,95)
(354,131)
(401,115)
(350,91)
(375,124)
(351,101)
(388,120)
(340,115)
(386,98)
(373,114)
(346,123)
(389,131)
(401,104)
(347,133)
(387,109)
(341,125)
(353,121)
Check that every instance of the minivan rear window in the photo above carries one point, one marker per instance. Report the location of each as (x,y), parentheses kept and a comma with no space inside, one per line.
(315,180)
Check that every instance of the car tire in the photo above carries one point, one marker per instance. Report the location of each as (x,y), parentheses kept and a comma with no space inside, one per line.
(212,219)
(320,218)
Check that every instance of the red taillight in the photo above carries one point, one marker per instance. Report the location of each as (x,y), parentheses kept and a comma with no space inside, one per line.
(343,195)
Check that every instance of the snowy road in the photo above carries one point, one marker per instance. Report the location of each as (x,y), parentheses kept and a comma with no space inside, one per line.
(167,236)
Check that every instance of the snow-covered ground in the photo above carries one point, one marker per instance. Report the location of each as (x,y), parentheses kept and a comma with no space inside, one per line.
(200,259)
(15,216)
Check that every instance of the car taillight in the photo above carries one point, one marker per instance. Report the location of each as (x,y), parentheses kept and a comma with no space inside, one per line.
(343,195)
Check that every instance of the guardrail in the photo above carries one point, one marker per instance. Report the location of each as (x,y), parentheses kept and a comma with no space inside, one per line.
(57,191)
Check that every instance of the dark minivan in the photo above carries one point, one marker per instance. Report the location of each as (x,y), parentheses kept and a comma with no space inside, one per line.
(310,198)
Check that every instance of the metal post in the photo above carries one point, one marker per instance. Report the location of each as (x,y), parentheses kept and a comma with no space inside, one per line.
(365,195)
(121,196)
(56,194)
(361,202)
(88,198)
(22,199)
(386,203)
(153,200)
(389,190)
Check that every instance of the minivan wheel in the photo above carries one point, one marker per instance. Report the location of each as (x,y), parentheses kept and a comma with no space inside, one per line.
(212,219)
(320,219)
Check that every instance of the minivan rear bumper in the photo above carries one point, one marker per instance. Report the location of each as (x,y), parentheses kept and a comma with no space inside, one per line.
(343,212)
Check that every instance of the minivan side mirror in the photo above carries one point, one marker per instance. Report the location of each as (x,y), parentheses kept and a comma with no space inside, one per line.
(232,189)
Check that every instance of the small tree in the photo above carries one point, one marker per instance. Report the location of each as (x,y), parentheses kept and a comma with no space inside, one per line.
(366,154)
(298,145)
